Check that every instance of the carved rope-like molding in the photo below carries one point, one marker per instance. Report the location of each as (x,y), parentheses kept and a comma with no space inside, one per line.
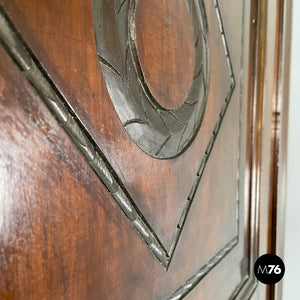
(82,139)
(212,140)
(183,290)
(58,105)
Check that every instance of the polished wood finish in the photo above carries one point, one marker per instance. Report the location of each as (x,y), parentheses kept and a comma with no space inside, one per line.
(85,213)
(275,96)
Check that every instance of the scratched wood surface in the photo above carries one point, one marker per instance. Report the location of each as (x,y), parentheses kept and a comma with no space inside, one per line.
(62,233)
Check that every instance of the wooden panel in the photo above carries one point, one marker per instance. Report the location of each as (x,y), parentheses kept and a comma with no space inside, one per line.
(61,230)
(212,199)
(155,204)
(99,116)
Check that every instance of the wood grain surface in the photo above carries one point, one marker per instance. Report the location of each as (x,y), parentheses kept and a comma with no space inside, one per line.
(75,59)
(165,45)
(62,233)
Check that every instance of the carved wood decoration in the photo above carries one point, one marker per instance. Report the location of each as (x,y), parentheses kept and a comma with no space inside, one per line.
(135,108)
(160,132)
(158,107)
(90,150)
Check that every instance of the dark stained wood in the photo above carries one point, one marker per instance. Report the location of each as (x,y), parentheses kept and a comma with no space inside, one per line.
(55,214)
(165,45)
(62,233)
(76,58)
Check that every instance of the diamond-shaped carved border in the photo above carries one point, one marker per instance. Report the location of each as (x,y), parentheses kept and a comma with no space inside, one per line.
(38,77)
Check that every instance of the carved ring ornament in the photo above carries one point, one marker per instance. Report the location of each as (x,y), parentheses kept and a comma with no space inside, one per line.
(160,132)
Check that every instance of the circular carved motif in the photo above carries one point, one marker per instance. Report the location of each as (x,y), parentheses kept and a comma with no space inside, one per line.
(159,131)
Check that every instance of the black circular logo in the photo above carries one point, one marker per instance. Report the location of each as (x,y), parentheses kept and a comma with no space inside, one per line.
(269,268)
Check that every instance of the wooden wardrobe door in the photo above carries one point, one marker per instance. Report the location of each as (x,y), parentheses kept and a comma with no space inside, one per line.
(139,153)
